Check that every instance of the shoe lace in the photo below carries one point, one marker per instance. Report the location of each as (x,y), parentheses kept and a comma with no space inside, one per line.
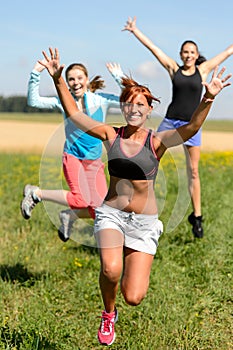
(29,201)
(106,324)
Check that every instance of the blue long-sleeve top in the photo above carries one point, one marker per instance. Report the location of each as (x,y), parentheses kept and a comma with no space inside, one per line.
(78,143)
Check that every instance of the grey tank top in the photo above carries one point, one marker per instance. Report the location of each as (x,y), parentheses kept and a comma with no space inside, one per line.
(141,166)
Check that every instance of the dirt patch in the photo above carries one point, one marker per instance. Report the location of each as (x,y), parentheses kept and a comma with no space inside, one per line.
(26,137)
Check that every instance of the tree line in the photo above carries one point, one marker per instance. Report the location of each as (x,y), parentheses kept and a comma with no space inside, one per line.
(19,104)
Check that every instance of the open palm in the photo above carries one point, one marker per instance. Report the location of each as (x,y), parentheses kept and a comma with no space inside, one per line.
(52,63)
(217,83)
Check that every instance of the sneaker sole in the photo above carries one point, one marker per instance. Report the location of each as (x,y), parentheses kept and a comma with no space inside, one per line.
(61,236)
(198,235)
(24,215)
(106,344)
(60,232)
(25,192)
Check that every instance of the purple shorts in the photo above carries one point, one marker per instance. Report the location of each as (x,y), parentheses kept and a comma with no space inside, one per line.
(168,124)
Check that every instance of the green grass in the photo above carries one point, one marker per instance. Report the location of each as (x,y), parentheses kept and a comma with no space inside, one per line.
(50,297)
(218,125)
(210,125)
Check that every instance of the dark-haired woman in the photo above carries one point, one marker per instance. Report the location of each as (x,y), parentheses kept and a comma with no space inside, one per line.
(186,94)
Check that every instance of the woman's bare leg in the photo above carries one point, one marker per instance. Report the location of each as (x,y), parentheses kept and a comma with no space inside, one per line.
(136,275)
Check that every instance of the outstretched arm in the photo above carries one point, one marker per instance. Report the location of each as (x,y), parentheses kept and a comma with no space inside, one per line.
(167,62)
(34,99)
(207,66)
(84,122)
(177,136)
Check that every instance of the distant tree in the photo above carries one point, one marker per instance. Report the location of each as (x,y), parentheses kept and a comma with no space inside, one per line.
(19,104)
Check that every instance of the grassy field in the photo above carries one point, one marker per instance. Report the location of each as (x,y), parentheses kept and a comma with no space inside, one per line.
(210,125)
(50,297)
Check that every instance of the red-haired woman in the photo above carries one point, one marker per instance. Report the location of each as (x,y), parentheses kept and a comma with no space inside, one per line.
(127,222)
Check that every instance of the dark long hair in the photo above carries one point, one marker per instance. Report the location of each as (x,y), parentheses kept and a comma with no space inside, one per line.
(200,58)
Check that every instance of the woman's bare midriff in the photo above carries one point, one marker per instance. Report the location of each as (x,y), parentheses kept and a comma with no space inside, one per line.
(132,196)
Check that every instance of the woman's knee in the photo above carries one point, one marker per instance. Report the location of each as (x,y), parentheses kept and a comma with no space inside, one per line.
(133,297)
(111,271)
(195,173)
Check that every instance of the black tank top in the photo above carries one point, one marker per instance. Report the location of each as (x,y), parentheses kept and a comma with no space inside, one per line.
(186,95)
(141,166)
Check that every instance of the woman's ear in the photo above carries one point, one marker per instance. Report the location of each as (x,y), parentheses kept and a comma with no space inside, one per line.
(149,114)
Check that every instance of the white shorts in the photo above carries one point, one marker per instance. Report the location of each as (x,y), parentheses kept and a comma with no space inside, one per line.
(141,232)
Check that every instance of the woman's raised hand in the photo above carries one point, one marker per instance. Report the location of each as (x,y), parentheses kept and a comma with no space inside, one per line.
(217,83)
(130,24)
(114,68)
(38,67)
(52,63)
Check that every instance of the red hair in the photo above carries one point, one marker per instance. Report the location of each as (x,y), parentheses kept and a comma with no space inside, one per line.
(132,89)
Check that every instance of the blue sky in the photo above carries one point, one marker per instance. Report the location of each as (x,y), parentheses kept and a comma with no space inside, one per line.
(90,32)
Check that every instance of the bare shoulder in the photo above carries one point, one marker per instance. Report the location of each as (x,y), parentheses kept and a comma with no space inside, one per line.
(172,69)
(203,70)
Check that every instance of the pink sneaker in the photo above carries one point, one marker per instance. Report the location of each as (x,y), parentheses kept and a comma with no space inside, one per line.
(106,333)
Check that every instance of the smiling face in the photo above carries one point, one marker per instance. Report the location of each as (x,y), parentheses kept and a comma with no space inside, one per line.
(136,110)
(189,54)
(77,81)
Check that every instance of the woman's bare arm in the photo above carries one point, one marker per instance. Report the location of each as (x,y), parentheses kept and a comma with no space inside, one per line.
(170,138)
(167,62)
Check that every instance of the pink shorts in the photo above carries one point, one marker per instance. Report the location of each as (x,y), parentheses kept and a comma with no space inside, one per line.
(86,180)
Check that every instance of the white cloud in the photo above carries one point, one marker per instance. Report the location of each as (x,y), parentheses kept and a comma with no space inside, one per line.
(150,70)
